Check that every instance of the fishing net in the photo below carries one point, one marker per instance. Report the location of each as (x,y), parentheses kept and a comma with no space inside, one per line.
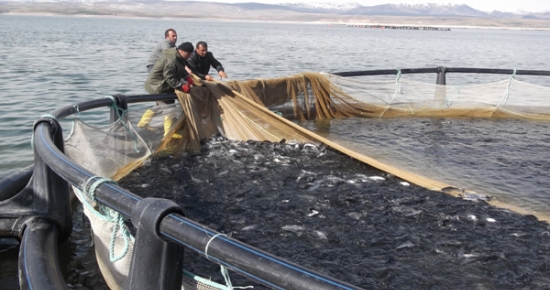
(508,98)
(272,110)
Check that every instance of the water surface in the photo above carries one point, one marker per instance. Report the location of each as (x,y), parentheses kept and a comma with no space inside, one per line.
(50,61)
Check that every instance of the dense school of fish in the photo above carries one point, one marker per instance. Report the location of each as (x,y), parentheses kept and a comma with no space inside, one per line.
(330,213)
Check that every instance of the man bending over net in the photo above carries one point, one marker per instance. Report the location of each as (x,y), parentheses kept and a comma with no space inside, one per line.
(167,75)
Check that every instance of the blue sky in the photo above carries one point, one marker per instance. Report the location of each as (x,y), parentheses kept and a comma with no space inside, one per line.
(484,5)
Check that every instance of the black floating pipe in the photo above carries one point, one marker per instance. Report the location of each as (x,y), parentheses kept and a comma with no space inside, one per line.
(51,196)
(498,71)
(386,72)
(231,253)
(156,264)
(15,182)
(68,110)
(447,69)
(441,76)
(38,261)
(266,268)
(110,195)
(118,108)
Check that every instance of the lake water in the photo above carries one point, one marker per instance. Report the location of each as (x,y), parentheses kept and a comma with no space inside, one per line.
(47,62)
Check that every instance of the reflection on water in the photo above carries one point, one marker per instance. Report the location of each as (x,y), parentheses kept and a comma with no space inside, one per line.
(506,159)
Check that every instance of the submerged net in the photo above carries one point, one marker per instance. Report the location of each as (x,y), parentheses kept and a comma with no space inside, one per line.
(406,98)
(271,110)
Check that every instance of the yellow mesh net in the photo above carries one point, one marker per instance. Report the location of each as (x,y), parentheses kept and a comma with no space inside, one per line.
(251,110)
(270,110)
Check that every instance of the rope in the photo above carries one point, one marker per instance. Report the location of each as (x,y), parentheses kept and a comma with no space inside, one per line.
(504,98)
(107,214)
(208,244)
(223,269)
(507,92)
(203,280)
(397,90)
(76,117)
(117,108)
(225,274)
(32,135)
(120,115)
(211,283)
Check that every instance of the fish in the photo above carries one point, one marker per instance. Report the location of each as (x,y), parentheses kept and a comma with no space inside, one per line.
(355,215)
(315,185)
(407,244)
(312,213)
(293,228)
(249,228)
(320,235)
(465,194)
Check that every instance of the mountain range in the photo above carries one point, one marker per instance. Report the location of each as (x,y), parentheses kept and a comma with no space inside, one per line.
(404,10)
(428,9)
(461,15)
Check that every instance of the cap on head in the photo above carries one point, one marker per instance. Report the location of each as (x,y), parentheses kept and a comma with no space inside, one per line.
(186,46)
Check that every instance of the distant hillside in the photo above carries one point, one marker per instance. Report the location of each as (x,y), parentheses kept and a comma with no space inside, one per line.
(428,9)
(341,13)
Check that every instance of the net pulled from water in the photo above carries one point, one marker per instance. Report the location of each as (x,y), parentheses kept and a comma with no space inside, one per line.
(271,110)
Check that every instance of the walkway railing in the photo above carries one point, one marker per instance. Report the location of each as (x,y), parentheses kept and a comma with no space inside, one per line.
(35,207)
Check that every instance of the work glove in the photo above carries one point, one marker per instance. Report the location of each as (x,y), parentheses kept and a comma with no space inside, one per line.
(185,88)
(189,80)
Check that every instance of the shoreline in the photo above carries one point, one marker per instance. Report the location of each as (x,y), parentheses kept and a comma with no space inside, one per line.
(445,26)
(351,25)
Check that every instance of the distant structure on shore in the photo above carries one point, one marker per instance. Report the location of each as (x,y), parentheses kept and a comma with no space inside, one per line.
(406,27)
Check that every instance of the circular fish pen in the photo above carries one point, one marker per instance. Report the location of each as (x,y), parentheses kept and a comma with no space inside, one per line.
(387,219)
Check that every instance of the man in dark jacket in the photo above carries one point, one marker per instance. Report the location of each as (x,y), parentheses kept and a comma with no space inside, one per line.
(201,60)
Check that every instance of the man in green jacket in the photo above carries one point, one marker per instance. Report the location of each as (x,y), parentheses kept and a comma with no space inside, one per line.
(168,75)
